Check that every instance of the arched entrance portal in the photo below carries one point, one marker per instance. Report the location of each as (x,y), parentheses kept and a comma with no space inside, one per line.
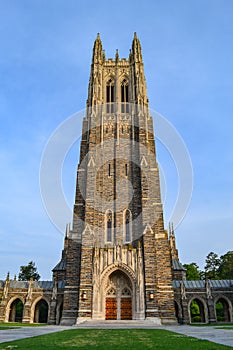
(118,300)
(41,312)
(16,311)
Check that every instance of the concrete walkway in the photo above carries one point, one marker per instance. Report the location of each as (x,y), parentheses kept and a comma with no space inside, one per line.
(10,334)
(216,335)
(219,336)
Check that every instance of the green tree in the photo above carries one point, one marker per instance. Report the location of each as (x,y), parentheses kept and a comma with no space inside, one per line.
(192,271)
(212,266)
(29,271)
(225,270)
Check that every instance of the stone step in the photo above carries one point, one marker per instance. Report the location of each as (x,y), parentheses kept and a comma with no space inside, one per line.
(117,324)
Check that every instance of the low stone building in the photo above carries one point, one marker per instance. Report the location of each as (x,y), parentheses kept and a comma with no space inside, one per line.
(118,262)
(213,297)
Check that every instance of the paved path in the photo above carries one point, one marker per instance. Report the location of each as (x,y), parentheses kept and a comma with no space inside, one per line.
(216,335)
(220,336)
(28,332)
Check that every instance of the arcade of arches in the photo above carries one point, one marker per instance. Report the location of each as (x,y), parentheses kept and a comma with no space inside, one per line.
(201,311)
(39,312)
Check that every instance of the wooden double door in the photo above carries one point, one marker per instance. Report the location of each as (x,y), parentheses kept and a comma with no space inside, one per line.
(119,308)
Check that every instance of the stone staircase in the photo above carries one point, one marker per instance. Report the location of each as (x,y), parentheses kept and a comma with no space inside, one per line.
(117,324)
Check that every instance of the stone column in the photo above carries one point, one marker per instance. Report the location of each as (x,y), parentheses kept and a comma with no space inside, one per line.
(53,305)
(186,319)
(28,304)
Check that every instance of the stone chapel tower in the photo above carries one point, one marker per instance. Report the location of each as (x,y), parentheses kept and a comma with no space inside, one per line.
(117,254)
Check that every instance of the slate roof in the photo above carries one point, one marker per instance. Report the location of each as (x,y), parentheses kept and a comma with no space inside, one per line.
(37,284)
(19,284)
(221,283)
(176,265)
(202,284)
(43,284)
(61,266)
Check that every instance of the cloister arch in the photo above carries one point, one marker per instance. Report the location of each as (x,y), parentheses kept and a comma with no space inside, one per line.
(223,309)
(198,311)
(15,311)
(40,310)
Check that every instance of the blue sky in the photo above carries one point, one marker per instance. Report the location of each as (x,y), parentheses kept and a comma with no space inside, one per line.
(45,60)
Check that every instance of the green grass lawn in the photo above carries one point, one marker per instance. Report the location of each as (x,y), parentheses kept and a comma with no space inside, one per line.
(215,325)
(3,328)
(15,324)
(104,339)
(225,327)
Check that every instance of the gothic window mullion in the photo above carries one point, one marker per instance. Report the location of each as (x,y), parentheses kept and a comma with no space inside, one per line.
(127,224)
(109,227)
(124,97)
(110,91)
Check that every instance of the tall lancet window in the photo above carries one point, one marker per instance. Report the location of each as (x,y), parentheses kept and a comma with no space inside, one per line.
(127,224)
(110,96)
(124,96)
(109,226)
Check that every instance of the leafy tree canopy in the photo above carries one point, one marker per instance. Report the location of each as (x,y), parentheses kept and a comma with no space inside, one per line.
(225,270)
(212,266)
(192,271)
(215,268)
(29,271)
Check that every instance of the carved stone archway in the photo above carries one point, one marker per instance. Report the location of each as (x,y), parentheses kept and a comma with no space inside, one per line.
(127,279)
(33,316)
(11,303)
(41,311)
(16,311)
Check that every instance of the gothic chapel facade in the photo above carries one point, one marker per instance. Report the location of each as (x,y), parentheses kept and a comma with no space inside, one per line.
(118,261)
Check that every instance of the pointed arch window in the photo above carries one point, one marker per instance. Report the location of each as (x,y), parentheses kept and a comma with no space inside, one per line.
(126,169)
(128,226)
(110,96)
(124,96)
(109,226)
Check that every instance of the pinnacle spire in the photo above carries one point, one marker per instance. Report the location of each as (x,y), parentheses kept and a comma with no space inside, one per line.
(67,231)
(98,53)
(117,56)
(136,49)
(172,240)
